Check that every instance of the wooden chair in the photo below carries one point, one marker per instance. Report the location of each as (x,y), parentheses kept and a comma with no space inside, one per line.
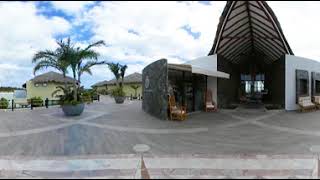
(316,101)
(306,104)
(179,113)
(210,105)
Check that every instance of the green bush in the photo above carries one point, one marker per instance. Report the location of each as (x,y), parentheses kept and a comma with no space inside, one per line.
(118,92)
(87,96)
(36,101)
(103,92)
(4,103)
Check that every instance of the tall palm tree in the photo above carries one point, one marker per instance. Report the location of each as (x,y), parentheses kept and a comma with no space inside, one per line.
(122,73)
(82,62)
(115,68)
(55,59)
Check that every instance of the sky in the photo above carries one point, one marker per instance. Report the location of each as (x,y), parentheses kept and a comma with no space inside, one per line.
(135,33)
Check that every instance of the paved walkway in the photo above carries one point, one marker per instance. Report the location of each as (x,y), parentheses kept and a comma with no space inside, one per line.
(106,128)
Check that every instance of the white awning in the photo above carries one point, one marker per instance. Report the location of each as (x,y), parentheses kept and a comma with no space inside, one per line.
(208,66)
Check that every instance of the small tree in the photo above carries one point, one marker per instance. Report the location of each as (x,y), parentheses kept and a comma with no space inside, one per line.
(135,87)
(119,72)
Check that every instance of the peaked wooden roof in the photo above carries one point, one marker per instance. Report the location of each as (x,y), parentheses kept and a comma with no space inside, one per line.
(249,28)
(131,78)
(52,77)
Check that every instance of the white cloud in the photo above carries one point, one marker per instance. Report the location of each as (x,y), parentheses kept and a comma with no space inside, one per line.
(23,32)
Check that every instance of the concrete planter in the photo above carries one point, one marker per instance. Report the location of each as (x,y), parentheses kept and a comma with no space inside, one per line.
(119,99)
(73,110)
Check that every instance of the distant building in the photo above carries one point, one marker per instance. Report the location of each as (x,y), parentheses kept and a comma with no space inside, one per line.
(45,84)
(130,80)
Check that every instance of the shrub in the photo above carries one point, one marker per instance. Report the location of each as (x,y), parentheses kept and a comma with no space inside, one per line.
(36,101)
(118,92)
(4,103)
(87,96)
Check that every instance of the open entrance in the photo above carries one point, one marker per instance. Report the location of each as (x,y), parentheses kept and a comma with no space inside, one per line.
(251,47)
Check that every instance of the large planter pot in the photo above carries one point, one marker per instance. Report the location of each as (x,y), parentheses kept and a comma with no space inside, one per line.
(73,110)
(119,99)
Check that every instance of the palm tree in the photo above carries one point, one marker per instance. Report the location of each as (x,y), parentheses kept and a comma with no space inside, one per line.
(135,87)
(82,62)
(66,55)
(55,59)
(122,73)
(115,68)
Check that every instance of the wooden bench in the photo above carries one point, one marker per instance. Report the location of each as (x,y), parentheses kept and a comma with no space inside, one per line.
(306,104)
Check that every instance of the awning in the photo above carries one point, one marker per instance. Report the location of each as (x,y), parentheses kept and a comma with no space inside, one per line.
(207,65)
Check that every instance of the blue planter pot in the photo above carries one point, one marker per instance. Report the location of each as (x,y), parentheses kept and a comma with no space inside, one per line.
(119,99)
(73,110)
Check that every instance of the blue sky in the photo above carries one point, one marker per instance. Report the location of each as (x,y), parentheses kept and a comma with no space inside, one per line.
(136,33)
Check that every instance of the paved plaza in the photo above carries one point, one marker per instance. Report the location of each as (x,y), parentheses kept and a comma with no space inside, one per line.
(109,129)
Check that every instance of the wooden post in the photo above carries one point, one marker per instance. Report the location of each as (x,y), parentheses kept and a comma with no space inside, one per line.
(47,102)
(12,103)
(31,104)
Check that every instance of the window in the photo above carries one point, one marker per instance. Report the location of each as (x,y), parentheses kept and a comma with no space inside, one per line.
(303,87)
(317,84)
(37,85)
(44,84)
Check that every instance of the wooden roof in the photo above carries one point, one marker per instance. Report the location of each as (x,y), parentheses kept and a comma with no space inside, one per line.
(131,78)
(249,28)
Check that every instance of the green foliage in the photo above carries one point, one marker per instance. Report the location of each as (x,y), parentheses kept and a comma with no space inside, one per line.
(4,103)
(67,56)
(119,72)
(135,87)
(103,92)
(118,92)
(36,101)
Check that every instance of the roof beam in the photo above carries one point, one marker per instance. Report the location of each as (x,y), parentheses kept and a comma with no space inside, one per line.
(236,22)
(250,25)
(236,29)
(242,33)
(244,49)
(235,49)
(274,26)
(267,50)
(232,46)
(268,43)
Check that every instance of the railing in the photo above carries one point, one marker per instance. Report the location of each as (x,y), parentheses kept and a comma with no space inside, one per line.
(46,103)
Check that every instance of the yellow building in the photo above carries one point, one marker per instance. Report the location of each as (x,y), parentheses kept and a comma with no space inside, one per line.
(45,84)
(134,79)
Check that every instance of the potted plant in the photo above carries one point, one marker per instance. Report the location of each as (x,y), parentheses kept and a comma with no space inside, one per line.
(79,61)
(4,103)
(135,88)
(119,72)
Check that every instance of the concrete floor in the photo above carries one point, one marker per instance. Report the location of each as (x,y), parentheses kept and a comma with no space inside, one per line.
(109,128)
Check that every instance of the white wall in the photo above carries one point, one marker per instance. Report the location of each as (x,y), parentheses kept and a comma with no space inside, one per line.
(293,63)
(212,84)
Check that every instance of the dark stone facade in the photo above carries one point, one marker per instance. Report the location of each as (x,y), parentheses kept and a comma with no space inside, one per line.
(302,83)
(314,77)
(155,89)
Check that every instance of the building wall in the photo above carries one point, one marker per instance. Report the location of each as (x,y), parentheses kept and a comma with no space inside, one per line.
(41,91)
(277,88)
(228,89)
(212,84)
(293,63)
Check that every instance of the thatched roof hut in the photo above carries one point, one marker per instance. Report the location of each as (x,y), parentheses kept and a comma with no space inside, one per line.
(132,78)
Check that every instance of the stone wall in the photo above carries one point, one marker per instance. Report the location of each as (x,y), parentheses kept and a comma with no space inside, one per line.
(155,89)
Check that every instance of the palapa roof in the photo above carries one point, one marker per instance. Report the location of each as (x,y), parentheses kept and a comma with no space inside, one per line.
(132,78)
(249,27)
(52,77)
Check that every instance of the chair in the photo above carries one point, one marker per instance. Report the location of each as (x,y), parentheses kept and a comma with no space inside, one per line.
(306,104)
(209,104)
(316,101)
(179,113)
